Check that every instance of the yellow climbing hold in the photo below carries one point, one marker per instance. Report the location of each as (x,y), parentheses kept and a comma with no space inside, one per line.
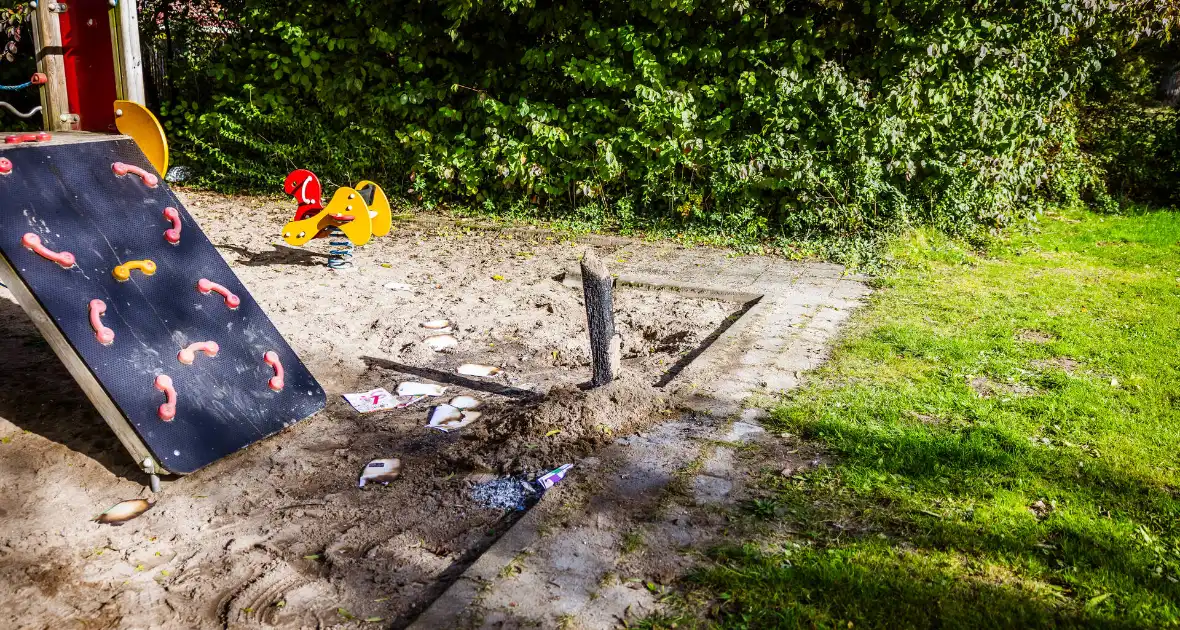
(122,273)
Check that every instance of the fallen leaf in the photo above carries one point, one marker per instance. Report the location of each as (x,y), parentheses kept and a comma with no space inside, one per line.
(465,402)
(473,369)
(124,511)
(1098,599)
(439,343)
(553,433)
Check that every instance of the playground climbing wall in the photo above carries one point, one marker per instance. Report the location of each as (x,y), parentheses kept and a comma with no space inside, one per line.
(160,333)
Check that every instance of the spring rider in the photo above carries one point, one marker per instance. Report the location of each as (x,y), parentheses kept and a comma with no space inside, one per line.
(350,219)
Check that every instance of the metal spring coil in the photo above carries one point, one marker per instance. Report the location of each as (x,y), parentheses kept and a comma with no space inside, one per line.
(339,250)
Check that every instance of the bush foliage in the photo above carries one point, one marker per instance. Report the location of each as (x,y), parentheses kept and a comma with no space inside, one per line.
(1131,125)
(748,118)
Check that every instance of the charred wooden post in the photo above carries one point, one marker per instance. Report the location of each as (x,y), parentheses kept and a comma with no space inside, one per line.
(605,345)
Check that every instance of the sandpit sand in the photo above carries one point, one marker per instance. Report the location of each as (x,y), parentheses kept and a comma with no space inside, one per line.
(278,534)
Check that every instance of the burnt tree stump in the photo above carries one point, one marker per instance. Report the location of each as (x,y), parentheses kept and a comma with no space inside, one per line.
(605,344)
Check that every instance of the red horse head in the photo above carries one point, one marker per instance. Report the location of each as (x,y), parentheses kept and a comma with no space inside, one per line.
(305,187)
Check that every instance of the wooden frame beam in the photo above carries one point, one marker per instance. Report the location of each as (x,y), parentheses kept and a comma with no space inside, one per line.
(129,57)
(55,101)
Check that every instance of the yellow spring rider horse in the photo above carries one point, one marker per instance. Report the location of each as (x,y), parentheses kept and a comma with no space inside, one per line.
(351,218)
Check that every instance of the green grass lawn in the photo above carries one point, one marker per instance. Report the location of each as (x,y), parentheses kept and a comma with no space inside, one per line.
(1003,439)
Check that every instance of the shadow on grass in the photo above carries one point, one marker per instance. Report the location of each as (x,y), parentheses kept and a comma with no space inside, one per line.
(915,530)
(881,587)
(988,457)
(945,507)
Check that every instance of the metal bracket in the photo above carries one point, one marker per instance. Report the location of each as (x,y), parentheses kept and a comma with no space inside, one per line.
(149,467)
(58,7)
(69,118)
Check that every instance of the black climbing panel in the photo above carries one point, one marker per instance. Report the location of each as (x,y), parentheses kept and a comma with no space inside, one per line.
(69,196)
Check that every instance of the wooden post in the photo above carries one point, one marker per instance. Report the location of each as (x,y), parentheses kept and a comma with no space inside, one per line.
(54,99)
(129,59)
(605,345)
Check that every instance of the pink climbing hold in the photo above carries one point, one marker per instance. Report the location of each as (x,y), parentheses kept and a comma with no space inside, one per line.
(272,359)
(5,166)
(28,137)
(206,286)
(33,242)
(121,169)
(167,410)
(189,354)
(172,235)
(104,335)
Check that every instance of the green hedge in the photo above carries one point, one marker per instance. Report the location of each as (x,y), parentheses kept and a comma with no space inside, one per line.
(1138,151)
(744,118)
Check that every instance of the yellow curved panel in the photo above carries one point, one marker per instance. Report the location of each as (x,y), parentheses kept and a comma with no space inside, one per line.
(383,219)
(345,202)
(133,119)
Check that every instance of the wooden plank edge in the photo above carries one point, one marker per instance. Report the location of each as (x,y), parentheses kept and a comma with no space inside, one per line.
(572,278)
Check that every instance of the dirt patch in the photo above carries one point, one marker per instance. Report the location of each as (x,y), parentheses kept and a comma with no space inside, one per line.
(279,534)
(567,425)
(788,457)
(987,388)
(1041,509)
(1031,335)
(1065,364)
(926,418)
